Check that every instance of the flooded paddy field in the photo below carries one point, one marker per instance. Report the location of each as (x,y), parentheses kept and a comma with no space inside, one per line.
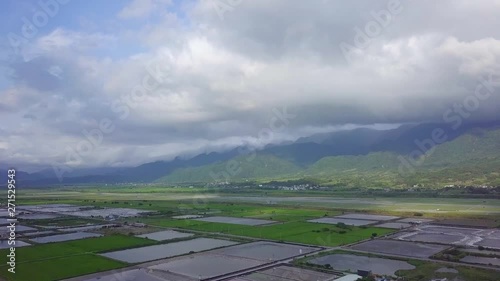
(453,236)
(481,260)
(4,244)
(38,233)
(155,252)
(335,220)
(38,216)
(367,217)
(203,266)
(266,251)
(400,248)
(227,260)
(233,220)
(490,243)
(19,228)
(346,262)
(394,225)
(165,235)
(64,237)
(81,211)
(286,273)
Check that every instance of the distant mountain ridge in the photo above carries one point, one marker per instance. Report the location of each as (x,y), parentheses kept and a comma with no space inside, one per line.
(366,156)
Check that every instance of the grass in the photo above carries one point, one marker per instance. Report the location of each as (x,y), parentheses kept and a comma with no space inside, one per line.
(54,261)
(60,268)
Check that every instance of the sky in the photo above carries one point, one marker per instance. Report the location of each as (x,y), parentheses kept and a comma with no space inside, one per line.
(119,83)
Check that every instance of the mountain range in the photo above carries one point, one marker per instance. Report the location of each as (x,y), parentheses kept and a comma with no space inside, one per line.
(418,154)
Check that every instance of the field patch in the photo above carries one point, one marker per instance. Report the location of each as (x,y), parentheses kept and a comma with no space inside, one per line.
(400,248)
(346,262)
(155,252)
(64,237)
(165,235)
(60,268)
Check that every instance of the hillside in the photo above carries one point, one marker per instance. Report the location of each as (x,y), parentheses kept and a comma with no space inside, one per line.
(260,166)
(360,157)
(472,158)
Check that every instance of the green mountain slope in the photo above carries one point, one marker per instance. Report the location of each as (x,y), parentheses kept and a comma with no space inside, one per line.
(472,158)
(252,166)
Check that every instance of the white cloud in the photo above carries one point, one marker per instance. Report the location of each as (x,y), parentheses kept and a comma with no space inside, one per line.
(142,8)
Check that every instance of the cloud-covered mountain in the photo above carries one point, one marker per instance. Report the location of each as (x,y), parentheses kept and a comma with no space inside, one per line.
(407,155)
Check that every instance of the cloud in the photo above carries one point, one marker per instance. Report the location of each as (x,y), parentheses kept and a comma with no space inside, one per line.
(142,8)
(226,76)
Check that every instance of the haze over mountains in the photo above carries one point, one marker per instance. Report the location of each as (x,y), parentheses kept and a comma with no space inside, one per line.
(359,157)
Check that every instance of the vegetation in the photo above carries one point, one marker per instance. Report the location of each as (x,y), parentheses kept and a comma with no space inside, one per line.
(471,159)
(54,261)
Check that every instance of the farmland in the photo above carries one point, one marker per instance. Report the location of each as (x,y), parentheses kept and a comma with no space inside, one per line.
(131,237)
(65,259)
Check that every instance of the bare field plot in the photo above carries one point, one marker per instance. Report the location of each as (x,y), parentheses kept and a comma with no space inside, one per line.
(335,220)
(233,220)
(400,248)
